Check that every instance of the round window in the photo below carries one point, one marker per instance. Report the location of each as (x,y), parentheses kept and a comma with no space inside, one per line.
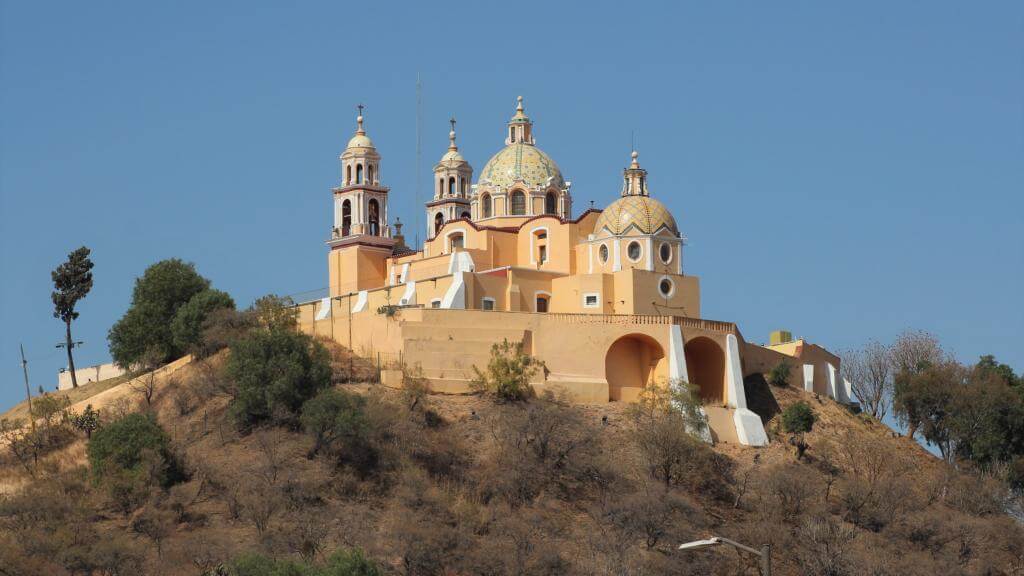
(665,251)
(666,287)
(602,253)
(633,251)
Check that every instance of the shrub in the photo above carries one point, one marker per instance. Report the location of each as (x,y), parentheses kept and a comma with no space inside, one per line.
(508,373)
(88,421)
(222,327)
(275,372)
(779,376)
(338,422)
(275,312)
(163,288)
(798,418)
(132,447)
(342,563)
(187,326)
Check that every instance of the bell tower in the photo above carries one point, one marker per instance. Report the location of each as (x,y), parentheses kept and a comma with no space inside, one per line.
(452,178)
(360,238)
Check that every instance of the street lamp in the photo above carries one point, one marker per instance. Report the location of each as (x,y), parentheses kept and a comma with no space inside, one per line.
(765,552)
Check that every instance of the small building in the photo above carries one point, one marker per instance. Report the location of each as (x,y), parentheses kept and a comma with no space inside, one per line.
(90,374)
(603,298)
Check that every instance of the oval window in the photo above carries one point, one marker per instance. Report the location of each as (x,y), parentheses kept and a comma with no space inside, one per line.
(665,251)
(666,287)
(602,253)
(633,251)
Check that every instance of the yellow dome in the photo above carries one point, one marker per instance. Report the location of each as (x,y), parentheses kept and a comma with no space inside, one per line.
(523,163)
(643,214)
(360,141)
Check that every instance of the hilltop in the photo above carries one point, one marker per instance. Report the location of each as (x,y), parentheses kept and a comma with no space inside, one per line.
(467,485)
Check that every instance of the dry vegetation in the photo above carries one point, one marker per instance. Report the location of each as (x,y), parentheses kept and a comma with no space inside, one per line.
(430,485)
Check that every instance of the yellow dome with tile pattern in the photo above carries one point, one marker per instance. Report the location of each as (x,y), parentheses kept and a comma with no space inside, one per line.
(523,163)
(641,214)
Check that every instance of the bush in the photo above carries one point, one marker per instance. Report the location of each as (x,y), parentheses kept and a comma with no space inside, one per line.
(133,446)
(508,373)
(779,376)
(342,563)
(275,371)
(275,312)
(187,326)
(798,418)
(338,423)
(223,327)
(163,288)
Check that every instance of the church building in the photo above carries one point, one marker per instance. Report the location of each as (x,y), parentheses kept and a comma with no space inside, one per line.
(602,297)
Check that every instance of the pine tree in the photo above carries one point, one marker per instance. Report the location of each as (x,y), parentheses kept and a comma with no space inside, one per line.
(72,280)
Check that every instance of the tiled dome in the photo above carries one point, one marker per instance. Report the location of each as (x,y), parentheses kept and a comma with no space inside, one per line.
(643,214)
(523,163)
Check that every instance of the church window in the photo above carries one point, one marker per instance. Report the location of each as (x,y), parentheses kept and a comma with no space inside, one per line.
(374,213)
(359,173)
(542,257)
(462,186)
(487,303)
(602,253)
(451,186)
(440,187)
(438,222)
(666,287)
(518,203)
(346,217)
(369,173)
(665,252)
(512,134)
(348,174)
(591,300)
(466,215)
(485,202)
(551,203)
(435,303)
(634,251)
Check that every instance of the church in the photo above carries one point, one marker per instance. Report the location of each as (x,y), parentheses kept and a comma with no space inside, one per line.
(602,297)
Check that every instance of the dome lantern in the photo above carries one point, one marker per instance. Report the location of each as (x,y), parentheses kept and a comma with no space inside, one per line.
(520,127)
(634,178)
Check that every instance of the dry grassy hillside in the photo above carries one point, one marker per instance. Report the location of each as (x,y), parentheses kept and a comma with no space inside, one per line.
(465,485)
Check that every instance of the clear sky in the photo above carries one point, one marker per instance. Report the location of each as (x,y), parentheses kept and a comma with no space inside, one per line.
(842,170)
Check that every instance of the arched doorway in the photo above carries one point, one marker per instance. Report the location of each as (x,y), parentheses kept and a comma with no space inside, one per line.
(631,363)
(705,364)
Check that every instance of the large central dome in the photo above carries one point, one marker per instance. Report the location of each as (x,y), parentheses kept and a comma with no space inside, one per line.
(523,163)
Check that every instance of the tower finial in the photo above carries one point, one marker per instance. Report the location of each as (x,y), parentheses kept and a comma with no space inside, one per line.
(519,103)
(635,163)
(359,120)
(451,135)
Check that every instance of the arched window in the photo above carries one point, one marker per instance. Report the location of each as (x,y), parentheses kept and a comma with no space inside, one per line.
(438,222)
(518,203)
(485,205)
(551,203)
(464,186)
(359,173)
(542,303)
(456,242)
(440,187)
(374,213)
(369,173)
(512,134)
(451,186)
(467,216)
(348,175)
(346,217)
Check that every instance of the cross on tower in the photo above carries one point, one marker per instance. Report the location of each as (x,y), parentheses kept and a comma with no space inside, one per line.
(360,107)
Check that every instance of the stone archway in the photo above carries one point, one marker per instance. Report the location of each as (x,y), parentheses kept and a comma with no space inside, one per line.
(632,362)
(705,364)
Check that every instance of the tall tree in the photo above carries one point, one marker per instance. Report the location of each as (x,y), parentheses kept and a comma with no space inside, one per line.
(72,280)
(870,372)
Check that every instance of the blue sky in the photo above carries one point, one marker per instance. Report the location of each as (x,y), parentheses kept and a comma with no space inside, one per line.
(842,171)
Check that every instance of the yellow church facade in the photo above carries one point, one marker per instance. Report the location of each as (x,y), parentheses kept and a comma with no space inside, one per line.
(602,298)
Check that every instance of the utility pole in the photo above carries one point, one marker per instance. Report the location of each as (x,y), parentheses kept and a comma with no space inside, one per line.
(28,392)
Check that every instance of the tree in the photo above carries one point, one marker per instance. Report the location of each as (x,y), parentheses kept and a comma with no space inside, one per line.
(133,445)
(187,326)
(275,372)
(1004,372)
(276,312)
(508,372)
(926,400)
(912,353)
(163,288)
(72,280)
(870,371)
(798,419)
(334,417)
